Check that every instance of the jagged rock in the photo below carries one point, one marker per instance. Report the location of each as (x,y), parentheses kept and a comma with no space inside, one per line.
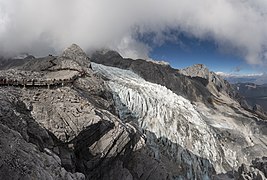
(261,164)
(197,70)
(215,83)
(23,145)
(74,52)
(252,172)
(256,171)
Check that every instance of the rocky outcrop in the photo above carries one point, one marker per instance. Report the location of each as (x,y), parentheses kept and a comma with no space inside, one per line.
(256,171)
(197,70)
(214,82)
(25,146)
(243,93)
(75,53)
(70,131)
(249,173)
(261,164)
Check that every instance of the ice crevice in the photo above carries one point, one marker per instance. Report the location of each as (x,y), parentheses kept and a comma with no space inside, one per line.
(162,112)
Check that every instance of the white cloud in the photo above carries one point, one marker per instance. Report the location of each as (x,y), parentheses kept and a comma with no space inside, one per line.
(45,26)
(223,74)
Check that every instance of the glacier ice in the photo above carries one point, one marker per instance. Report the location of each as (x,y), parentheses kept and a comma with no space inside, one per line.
(162,112)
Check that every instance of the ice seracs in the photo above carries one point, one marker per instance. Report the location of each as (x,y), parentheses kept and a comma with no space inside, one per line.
(223,133)
(160,111)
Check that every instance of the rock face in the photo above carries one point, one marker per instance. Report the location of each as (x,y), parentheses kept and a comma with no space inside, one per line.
(214,83)
(258,170)
(67,118)
(74,52)
(66,131)
(25,145)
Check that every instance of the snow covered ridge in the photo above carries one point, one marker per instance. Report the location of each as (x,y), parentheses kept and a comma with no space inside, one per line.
(162,112)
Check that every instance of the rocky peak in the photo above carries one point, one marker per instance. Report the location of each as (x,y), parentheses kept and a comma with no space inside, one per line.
(197,70)
(214,82)
(107,54)
(74,52)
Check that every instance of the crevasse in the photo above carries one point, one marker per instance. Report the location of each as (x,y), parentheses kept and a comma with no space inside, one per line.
(160,111)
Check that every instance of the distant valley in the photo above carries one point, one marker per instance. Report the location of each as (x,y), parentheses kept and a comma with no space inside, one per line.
(253,94)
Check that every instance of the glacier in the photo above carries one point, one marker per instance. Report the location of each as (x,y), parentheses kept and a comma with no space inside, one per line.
(224,134)
(162,112)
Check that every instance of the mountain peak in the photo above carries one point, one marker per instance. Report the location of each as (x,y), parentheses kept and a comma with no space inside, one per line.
(107,53)
(76,53)
(73,50)
(197,70)
(202,66)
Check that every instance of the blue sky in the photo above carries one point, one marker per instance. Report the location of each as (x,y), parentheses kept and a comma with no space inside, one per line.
(187,51)
(25,26)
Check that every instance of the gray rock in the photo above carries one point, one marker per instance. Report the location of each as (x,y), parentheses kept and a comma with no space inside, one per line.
(74,52)
(57,132)
(23,144)
(250,173)
(215,83)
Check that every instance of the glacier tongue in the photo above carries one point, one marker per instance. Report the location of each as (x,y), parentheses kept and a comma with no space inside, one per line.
(162,112)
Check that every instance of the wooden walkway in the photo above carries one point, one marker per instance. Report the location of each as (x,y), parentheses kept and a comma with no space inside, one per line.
(39,82)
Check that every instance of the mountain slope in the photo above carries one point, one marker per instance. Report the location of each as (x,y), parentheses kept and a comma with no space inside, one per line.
(55,126)
(137,120)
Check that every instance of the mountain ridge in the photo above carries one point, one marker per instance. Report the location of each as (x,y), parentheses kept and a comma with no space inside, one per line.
(135,120)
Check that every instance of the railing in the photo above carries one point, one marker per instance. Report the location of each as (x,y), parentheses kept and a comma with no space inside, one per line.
(39,82)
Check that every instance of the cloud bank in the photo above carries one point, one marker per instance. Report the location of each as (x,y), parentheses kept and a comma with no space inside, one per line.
(48,26)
